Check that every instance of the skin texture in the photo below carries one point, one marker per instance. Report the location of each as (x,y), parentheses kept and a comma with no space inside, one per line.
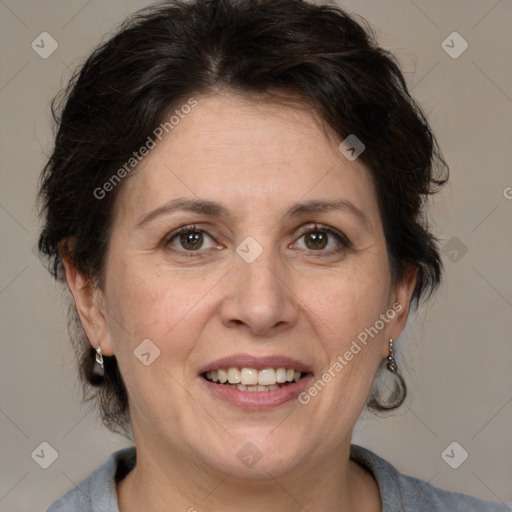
(256,159)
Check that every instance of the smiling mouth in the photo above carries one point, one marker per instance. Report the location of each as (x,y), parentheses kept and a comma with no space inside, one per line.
(250,379)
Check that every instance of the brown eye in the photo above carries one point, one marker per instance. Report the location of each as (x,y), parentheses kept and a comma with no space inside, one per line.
(323,240)
(190,239)
(316,240)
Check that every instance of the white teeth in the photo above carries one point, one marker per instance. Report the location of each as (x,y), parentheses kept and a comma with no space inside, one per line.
(249,376)
(233,376)
(267,377)
(250,379)
(281,375)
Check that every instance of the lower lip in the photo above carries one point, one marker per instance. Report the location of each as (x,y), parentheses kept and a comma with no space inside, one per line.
(258,399)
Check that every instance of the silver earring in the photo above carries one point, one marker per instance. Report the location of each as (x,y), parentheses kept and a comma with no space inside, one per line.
(99,357)
(392,366)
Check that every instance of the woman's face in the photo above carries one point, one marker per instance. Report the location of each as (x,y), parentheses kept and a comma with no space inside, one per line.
(284,267)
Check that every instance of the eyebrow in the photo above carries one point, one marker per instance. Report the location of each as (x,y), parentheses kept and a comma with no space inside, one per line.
(216,210)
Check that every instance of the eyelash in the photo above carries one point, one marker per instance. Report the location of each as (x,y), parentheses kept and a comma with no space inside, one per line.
(339,237)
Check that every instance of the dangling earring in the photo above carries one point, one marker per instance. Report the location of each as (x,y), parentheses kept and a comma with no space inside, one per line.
(390,391)
(97,372)
(99,357)
(392,366)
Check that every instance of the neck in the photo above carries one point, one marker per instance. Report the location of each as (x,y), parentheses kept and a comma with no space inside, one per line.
(164,483)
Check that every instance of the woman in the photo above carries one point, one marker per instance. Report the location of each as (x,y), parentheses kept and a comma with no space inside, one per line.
(235,200)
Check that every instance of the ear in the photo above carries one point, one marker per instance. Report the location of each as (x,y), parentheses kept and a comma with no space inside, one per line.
(401,297)
(89,301)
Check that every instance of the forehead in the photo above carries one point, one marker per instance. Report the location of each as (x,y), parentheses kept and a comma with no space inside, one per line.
(251,155)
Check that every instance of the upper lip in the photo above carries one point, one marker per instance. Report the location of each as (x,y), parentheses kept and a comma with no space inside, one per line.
(258,363)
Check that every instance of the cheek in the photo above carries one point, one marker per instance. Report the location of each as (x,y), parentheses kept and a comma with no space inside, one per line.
(150,313)
(351,302)
(162,306)
(140,305)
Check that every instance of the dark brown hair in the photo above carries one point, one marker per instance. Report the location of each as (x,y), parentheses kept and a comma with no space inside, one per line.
(167,53)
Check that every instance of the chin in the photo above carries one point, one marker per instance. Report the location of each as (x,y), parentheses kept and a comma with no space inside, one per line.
(259,454)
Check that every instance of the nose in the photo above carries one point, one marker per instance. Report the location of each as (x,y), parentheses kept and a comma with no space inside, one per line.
(259,298)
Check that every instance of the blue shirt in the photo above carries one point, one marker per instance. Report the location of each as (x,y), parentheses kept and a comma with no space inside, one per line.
(399,493)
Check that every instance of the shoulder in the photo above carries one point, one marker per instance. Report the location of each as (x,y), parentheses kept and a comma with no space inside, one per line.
(98,490)
(402,493)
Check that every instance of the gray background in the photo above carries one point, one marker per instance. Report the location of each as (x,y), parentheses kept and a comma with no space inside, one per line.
(456,353)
